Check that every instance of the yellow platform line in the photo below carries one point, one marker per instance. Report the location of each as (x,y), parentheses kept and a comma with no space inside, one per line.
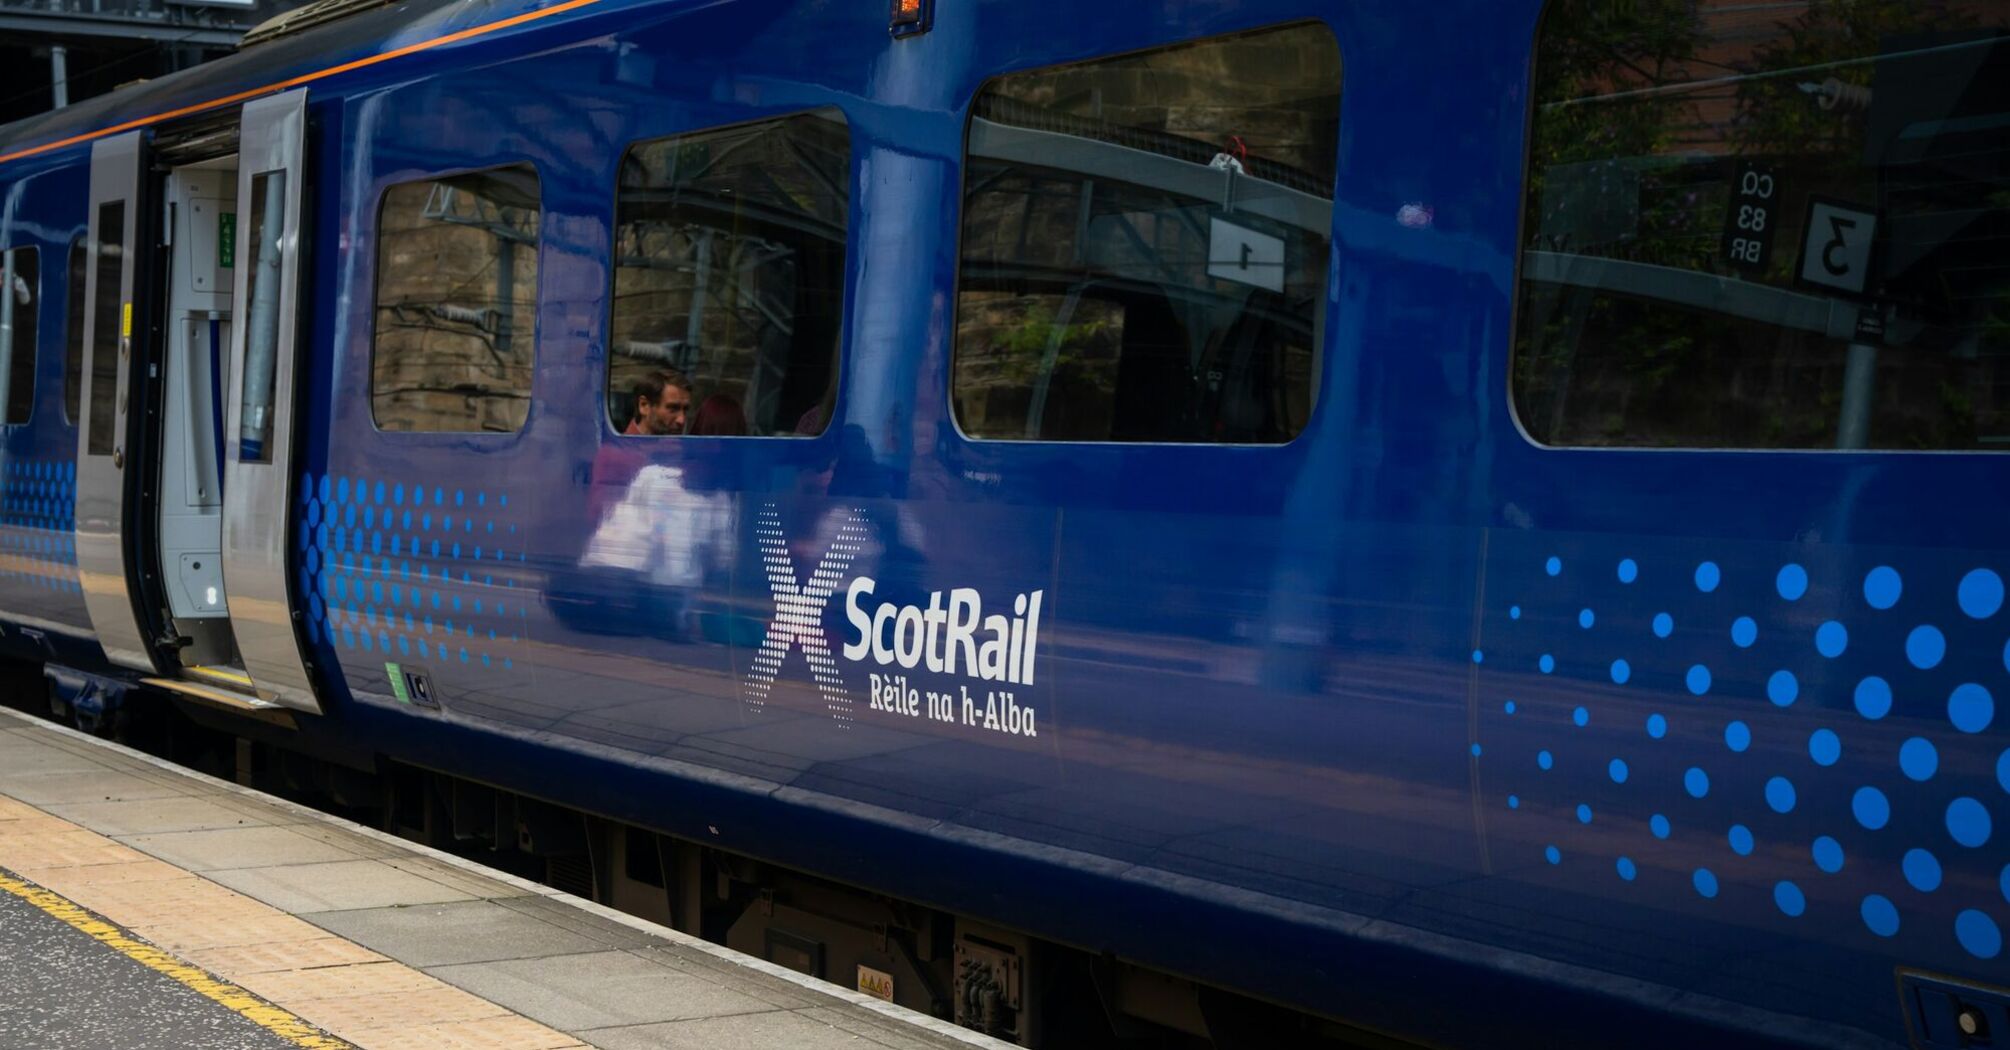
(252,1008)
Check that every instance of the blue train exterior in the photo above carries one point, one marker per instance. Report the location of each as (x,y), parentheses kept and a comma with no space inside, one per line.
(1409,721)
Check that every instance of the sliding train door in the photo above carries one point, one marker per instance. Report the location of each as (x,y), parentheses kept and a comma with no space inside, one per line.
(259,399)
(111,281)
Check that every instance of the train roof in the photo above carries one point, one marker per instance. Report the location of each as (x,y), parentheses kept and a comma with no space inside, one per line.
(320,52)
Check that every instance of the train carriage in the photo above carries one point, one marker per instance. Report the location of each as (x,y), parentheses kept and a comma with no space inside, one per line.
(1458,524)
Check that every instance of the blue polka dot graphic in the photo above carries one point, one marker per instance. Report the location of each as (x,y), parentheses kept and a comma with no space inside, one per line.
(1979,934)
(1880,915)
(1925,647)
(1970,708)
(1919,759)
(1873,698)
(1822,731)
(1780,795)
(1824,747)
(1882,587)
(1968,822)
(1871,808)
(1981,594)
(1792,582)
(1831,639)
(1921,869)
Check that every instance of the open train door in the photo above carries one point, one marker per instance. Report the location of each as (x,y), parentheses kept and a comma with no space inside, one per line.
(260,397)
(111,283)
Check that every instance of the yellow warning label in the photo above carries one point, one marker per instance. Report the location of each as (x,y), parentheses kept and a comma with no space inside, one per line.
(126,322)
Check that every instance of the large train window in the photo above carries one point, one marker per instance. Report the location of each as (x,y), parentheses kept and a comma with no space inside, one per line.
(729,251)
(456,324)
(73,330)
(20,301)
(1768,229)
(1145,244)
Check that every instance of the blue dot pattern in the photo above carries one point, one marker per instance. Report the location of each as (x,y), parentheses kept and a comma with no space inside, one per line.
(1852,705)
(420,575)
(38,544)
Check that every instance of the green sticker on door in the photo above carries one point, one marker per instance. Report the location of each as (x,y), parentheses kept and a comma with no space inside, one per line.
(226,240)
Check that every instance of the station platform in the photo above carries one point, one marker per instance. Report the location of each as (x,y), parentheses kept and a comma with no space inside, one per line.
(145,906)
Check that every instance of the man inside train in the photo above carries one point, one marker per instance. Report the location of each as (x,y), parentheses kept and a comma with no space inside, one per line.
(662,404)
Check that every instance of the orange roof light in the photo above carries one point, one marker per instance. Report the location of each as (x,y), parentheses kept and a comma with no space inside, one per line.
(911,17)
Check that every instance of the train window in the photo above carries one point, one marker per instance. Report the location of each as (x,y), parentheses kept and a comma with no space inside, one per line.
(267,217)
(106,320)
(1767,229)
(73,329)
(729,280)
(20,301)
(456,322)
(1145,244)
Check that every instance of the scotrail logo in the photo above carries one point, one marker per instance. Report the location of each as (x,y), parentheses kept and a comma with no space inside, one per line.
(951,635)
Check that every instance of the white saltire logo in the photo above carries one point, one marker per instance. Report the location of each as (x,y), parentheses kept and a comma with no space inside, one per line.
(799,610)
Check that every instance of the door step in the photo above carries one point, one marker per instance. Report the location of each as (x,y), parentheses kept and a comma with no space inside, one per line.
(240,703)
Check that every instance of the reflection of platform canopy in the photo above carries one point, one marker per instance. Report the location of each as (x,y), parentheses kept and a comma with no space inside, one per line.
(1089,158)
(1823,315)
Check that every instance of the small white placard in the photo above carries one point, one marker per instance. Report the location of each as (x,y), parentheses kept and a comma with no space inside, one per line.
(876,983)
(1835,250)
(1237,253)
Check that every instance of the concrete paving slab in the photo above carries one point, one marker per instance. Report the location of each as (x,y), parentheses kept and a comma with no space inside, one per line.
(444,934)
(769,989)
(468,882)
(152,815)
(600,989)
(766,1031)
(86,786)
(246,847)
(341,885)
(563,913)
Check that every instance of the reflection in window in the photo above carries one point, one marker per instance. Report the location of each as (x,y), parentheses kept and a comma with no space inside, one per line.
(456,325)
(73,329)
(729,280)
(1145,244)
(20,300)
(261,351)
(106,327)
(1777,229)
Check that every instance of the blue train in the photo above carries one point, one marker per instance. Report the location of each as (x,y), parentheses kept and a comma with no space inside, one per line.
(1465,524)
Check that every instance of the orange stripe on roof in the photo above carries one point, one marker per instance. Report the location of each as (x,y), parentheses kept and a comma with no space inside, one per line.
(305,78)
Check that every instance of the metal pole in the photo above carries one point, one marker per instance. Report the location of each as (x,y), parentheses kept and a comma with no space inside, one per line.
(59,74)
(1859,376)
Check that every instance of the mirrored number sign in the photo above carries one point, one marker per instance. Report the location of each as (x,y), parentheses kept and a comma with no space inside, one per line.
(1835,250)
(1748,221)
